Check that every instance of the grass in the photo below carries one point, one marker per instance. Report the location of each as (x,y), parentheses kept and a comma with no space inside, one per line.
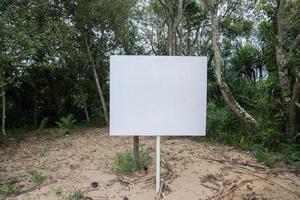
(2,175)
(18,133)
(262,155)
(77,195)
(8,190)
(44,152)
(57,191)
(57,133)
(125,161)
(68,144)
(37,177)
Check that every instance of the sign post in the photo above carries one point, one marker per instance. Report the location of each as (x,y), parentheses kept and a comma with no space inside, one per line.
(158,96)
(157,164)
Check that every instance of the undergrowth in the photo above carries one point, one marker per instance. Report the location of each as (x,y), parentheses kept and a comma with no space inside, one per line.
(269,146)
(124,162)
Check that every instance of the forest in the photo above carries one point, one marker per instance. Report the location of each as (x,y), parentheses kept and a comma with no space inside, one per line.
(54,85)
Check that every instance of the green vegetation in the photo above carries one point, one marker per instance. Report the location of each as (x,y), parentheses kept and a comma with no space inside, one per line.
(2,174)
(57,191)
(68,144)
(66,122)
(44,123)
(54,61)
(37,177)
(8,190)
(77,195)
(268,145)
(125,163)
(44,152)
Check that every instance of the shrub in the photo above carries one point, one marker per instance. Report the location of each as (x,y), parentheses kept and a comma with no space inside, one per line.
(291,153)
(44,152)
(44,123)
(66,122)
(220,120)
(269,138)
(125,161)
(77,195)
(37,177)
(264,156)
(8,190)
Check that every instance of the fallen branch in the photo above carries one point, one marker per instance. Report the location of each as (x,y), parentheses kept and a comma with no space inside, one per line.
(233,189)
(159,194)
(31,189)
(268,180)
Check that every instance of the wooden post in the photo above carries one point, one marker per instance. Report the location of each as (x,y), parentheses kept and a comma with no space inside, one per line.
(136,152)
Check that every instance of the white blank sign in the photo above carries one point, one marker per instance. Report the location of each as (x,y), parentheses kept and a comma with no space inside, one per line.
(158,95)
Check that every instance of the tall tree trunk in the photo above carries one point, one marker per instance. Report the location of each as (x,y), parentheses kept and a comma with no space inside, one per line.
(136,152)
(53,92)
(293,121)
(281,61)
(235,107)
(3,112)
(86,111)
(35,115)
(290,96)
(100,93)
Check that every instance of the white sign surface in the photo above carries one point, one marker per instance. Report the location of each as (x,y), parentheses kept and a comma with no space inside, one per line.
(158,95)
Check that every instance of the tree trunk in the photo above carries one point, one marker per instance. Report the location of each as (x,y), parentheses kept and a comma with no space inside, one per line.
(100,93)
(86,111)
(3,113)
(136,152)
(235,107)
(53,92)
(35,115)
(293,121)
(281,61)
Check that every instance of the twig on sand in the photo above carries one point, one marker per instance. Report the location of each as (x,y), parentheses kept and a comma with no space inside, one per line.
(231,190)
(159,194)
(268,180)
(31,189)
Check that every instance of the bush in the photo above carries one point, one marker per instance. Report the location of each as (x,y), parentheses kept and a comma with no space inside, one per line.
(269,138)
(291,153)
(44,123)
(8,190)
(264,156)
(125,162)
(77,195)
(37,177)
(222,125)
(220,120)
(66,122)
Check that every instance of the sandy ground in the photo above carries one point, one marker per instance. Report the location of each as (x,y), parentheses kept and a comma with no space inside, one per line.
(190,170)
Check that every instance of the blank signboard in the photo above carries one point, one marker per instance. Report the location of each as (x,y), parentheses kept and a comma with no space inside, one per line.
(158,95)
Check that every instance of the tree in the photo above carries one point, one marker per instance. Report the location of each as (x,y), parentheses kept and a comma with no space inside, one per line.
(290,96)
(2,86)
(239,111)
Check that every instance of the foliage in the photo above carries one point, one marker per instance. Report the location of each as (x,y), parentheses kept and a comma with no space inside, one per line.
(66,122)
(57,191)
(37,177)
(263,155)
(8,190)
(67,144)
(44,123)
(220,120)
(125,162)
(45,72)
(77,195)
(44,152)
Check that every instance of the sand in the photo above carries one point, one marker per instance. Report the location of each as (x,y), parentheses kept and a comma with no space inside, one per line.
(190,170)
